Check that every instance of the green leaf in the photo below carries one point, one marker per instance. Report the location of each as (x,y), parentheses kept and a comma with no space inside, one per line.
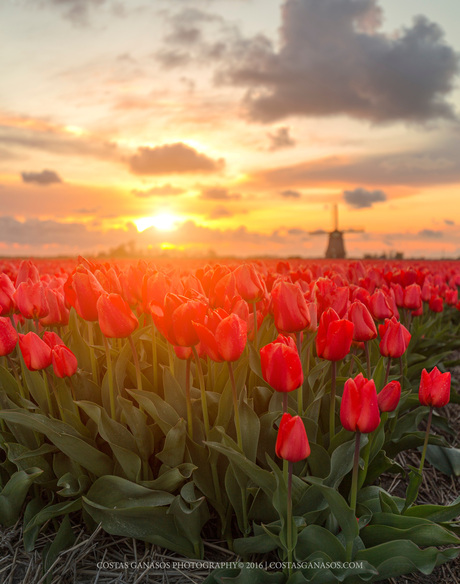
(64,539)
(250,427)
(161,412)
(130,510)
(32,508)
(174,447)
(66,438)
(14,493)
(191,513)
(395,558)
(50,512)
(24,459)
(342,461)
(171,479)
(79,346)
(447,460)
(437,513)
(316,538)
(119,438)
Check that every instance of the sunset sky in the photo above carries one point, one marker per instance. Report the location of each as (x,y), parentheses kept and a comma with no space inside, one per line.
(231,125)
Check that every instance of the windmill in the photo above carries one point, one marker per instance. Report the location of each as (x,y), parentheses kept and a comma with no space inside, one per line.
(336,246)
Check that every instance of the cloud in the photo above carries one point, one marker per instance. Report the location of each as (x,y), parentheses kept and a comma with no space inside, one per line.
(172,58)
(361,198)
(449,222)
(159,191)
(430,234)
(280,139)
(290,194)
(44,178)
(78,11)
(174,158)
(416,168)
(334,59)
(218,194)
(219,212)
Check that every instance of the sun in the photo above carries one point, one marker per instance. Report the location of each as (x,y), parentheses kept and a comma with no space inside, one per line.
(162,222)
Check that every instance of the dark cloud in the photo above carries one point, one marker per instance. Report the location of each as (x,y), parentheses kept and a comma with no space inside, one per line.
(79,11)
(172,58)
(219,212)
(50,139)
(280,138)
(290,194)
(430,234)
(174,158)
(361,198)
(449,222)
(166,190)
(334,60)
(436,167)
(44,178)
(86,211)
(219,194)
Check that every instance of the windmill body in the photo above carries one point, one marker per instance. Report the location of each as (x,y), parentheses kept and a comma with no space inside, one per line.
(336,246)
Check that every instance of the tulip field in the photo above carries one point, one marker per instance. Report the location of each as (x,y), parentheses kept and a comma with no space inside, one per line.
(262,407)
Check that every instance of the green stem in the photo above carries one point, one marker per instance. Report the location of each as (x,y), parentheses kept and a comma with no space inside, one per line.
(254,312)
(48,396)
(289,519)
(366,453)
(368,358)
(136,363)
(92,353)
(110,378)
(188,400)
(171,358)
(300,388)
(16,376)
(387,372)
(354,488)
(235,406)
(332,404)
(154,357)
(204,402)
(427,436)
(285,402)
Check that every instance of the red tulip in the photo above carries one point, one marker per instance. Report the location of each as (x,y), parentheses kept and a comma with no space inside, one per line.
(116,318)
(434,388)
(289,308)
(30,299)
(281,366)
(52,339)
(64,361)
(27,271)
(231,336)
(364,325)
(6,295)
(292,441)
(436,304)
(395,338)
(334,337)
(389,397)
(58,313)
(379,306)
(87,292)
(8,336)
(249,283)
(412,297)
(359,411)
(35,352)
(182,319)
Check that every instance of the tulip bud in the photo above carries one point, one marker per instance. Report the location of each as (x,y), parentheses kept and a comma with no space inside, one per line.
(6,295)
(395,338)
(379,306)
(52,339)
(413,297)
(334,337)
(231,336)
(434,388)
(436,304)
(359,410)
(116,318)
(8,336)
(35,352)
(389,397)
(292,441)
(289,308)
(281,366)
(64,361)
(249,283)
(364,325)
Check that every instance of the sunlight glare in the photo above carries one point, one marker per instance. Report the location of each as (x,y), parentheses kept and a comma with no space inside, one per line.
(162,222)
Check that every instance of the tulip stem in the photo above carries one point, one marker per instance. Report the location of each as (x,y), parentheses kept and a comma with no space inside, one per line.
(427,436)
(285,402)
(48,395)
(136,362)
(354,476)
(332,404)
(204,401)
(289,518)
(110,378)
(16,376)
(171,358)
(188,400)
(300,388)
(235,406)
(387,372)
(401,369)
(368,358)
(154,357)
(254,312)
(91,352)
